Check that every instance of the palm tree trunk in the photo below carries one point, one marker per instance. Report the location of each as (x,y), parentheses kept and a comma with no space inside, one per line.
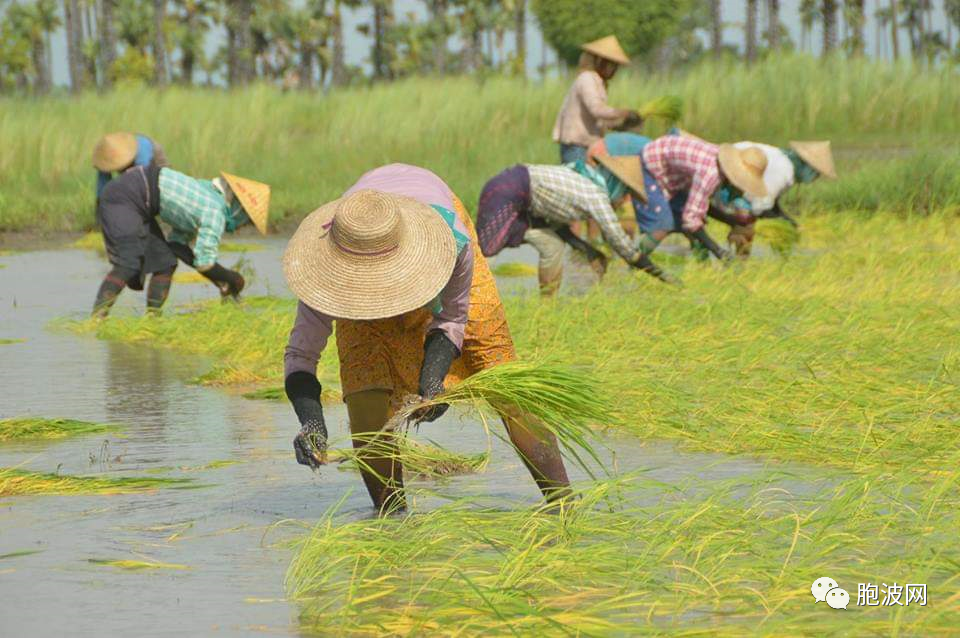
(159,43)
(520,28)
(71,13)
(894,27)
(438,13)
(339,65)
(773,24)
(39,56)
(108,41)
(751,28)
(829,26)
(306,65)
(716,30)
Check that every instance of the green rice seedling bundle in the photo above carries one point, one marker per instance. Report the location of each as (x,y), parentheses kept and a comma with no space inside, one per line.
(781,235)
(742,553)
(19,482)
(10,342)
(419,460)
(668,108)
(32,428)
(515,269)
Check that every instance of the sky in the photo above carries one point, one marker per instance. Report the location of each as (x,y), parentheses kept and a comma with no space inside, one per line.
(733,11)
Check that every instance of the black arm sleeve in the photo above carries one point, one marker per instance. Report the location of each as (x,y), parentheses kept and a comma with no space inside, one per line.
(303,390)
(438,355)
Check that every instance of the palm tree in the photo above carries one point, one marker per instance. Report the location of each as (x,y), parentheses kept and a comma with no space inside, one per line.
(829,15)
(854,15)
(894,29)
(751,29)
(382,56)
(34,23)
(882,20)
(159,43)
(520,31)
(193,22)
(809,13)
(773,24)
(716,29)
(74,33)
(240,69)
(952,9)
(108,41)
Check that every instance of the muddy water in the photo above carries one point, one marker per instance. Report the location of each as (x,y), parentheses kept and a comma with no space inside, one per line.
(225,533)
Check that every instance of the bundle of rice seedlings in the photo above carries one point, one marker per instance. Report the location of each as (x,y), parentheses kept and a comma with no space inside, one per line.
(419,460)
(781,235)
(17,482)
(666,107)
(189,277)
(28,428)
(515,269)
(565,402)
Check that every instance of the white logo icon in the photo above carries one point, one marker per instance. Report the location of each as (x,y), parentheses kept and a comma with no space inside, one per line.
(820,588)
(838,598)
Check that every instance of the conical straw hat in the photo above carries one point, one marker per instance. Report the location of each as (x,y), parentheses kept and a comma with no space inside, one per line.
(607,48)
(253,196)
(744,168)
(115,151)
(627,169)
(370,255)
(817,155)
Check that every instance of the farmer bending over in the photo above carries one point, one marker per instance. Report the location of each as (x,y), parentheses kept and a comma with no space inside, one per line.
(394,262)
(197,209)
(116,152)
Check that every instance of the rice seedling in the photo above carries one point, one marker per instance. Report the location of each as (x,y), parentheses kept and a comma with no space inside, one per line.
(419,460)
(9,342)
(19,482)
(212,465)
(189,277)
(134,564)
(779,234)
(668,108)
(23,552)
(734,559)
(34,428)
(515,269)
(239,247)
(277,393)
(92,240)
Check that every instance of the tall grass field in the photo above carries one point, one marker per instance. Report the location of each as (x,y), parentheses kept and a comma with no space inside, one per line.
(311,146)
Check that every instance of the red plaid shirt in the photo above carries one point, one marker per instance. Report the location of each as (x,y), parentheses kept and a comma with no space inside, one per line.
(683,164)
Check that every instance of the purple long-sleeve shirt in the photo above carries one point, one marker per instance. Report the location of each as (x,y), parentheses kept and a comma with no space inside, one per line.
(312,329)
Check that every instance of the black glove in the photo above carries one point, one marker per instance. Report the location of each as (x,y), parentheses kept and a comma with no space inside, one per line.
(310,445)
(230,282)
(647,266)
(777,212)
(438,355)
(707,241)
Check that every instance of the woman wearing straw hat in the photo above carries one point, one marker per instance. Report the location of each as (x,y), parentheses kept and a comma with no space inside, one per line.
(198,211)
(585,114)
(536,204)
(799,163)
(116,152)
(681,175)
(394,263)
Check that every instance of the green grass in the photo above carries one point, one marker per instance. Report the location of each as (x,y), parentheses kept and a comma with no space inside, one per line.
(732,558)
(19,482)
(35,428)
(464,131)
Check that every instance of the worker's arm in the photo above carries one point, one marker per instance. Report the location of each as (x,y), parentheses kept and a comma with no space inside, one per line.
(309,336)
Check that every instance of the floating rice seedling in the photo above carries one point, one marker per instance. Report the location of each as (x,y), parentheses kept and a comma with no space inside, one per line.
(189,277)
(7,342)
(18,482)
(212,465)
(31,428)
(135,565)
(239,247)
(515,269)
(90,241)
(23,552)
(277,393)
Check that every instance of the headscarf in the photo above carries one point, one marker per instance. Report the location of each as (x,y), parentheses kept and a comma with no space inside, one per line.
(802,172)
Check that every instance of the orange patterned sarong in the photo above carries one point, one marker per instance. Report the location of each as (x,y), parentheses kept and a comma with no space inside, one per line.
(386,354)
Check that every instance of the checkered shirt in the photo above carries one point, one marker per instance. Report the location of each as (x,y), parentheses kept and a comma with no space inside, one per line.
(560,195)
(683,164)
(196,210)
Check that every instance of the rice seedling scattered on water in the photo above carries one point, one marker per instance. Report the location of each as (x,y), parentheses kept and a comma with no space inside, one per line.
(135,565)
(23,552)
(8,342)
(189,277)
(19,482)
(212,465)
(515,269)
(277,393)
(92,240)
(30,428)
(239,247)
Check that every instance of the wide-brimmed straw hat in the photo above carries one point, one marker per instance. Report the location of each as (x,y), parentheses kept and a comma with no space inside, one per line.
(370,255)
(627,168)
(607,48)
(115,151)
(744,168)
(254,197)
(818,155)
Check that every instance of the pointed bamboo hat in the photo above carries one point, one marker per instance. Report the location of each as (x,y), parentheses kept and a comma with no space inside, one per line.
(607,48)
(253,196)
(744,168)
(818,155)
(370,255)
(627,169)
(115,151)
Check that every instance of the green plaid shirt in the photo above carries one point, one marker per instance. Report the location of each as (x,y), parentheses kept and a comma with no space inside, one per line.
(196,210)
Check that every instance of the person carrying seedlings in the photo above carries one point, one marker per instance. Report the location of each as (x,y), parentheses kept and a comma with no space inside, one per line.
(116,152)
(394,263)
(585,114)
(197,209)
(681,175)
(537,203)
(799,163)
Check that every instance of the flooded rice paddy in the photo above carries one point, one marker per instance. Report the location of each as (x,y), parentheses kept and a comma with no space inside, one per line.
(209,560)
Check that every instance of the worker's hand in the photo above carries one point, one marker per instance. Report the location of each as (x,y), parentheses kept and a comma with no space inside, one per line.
(231,285)
(310,445)
(628,119)
(438,355)
(599,264)
(692,226)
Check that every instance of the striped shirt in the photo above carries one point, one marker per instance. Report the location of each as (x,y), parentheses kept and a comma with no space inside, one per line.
(685,164)
(560,196)
(196,210)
